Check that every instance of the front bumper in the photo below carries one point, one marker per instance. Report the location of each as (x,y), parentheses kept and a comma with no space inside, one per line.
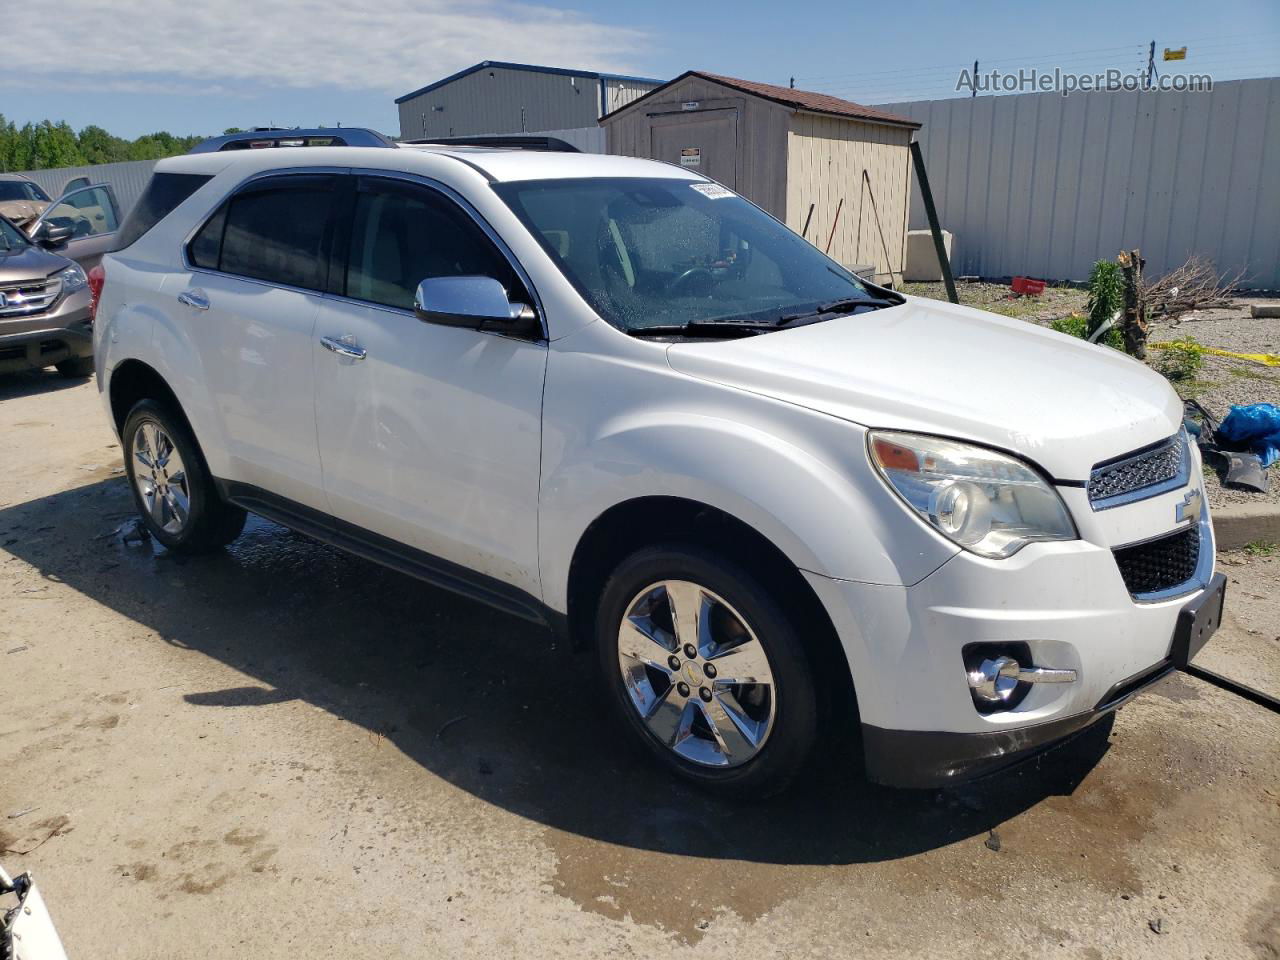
(1067,602)
(62,333)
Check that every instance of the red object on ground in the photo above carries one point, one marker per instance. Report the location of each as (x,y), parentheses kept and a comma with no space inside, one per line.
(1027,287)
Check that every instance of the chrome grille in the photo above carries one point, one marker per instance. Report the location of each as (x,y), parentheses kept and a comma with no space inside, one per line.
(28,297)
(1162,564)
(1139,475)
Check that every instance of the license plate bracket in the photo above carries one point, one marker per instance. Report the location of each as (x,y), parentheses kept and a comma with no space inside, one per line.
(1198,620)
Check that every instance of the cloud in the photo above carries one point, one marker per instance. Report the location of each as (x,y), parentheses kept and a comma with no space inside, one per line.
(229,46)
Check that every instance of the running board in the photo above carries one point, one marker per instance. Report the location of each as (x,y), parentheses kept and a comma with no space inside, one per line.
(390,553)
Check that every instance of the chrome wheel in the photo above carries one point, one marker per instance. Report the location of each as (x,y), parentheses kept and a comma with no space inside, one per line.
(160,477)
(696,674)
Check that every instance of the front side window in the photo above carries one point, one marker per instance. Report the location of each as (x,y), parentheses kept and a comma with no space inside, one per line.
(402,235)
(88,212)
(652,252)
(277,230)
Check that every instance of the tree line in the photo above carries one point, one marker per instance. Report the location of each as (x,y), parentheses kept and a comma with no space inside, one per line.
(44,145)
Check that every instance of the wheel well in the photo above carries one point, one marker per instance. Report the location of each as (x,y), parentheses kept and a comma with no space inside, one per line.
(132,381)
(631,526)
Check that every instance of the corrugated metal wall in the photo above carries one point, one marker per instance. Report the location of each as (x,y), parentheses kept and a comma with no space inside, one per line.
(618,92)
(498,99)
(1043,185)
(127,180)
(856,177)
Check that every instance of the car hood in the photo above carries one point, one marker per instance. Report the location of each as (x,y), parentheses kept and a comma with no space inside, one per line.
(942,369)
(28,263)
(21,212)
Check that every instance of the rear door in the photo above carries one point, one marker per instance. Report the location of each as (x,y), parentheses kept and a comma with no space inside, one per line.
(93,216)
(701,141)
(249,303)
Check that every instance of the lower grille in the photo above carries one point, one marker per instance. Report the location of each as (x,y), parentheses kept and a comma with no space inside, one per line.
(1160,564)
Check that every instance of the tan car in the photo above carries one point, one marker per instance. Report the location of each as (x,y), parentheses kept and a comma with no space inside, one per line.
(21,200)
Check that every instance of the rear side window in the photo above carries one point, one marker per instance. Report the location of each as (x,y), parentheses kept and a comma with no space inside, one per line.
(277,230)
(161,198)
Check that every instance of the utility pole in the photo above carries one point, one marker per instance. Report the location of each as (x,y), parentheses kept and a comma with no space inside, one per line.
(974,92)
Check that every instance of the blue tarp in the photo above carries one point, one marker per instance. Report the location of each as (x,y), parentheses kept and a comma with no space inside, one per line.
(1255,428)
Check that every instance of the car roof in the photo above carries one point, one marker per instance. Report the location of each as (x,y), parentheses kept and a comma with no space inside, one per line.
(496,164)
(15,176)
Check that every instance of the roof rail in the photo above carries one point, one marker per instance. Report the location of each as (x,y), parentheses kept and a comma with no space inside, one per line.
(314,137)
(517,141)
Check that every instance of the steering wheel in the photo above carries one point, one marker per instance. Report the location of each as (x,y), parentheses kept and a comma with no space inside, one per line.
(690,276)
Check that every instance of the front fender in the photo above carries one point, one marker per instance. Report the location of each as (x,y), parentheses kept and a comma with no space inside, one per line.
(798,477)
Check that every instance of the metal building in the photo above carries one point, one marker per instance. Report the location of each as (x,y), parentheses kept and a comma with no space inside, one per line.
(498,97)
(833,170)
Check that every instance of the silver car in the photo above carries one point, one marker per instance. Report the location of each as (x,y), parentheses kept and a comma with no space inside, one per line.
(44,306)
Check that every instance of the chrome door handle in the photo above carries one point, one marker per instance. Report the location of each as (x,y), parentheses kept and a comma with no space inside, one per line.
(194,297)
(344,348)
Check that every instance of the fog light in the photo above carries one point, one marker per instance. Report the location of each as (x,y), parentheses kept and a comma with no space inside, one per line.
(993,681)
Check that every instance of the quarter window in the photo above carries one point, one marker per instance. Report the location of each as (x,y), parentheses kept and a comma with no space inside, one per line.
(401,236)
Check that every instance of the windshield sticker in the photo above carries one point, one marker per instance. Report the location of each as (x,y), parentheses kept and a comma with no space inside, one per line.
(712,190)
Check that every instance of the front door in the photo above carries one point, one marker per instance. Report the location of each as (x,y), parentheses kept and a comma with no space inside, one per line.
(701,141)
(93,217)
(429,435)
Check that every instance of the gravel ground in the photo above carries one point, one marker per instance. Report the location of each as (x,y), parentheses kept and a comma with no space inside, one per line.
(281,751)
(1220,384)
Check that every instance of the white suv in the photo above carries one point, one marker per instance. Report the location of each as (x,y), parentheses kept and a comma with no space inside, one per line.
(612,396)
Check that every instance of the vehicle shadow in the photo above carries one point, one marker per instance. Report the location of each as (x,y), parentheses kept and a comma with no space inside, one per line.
(31,382)
(487,702)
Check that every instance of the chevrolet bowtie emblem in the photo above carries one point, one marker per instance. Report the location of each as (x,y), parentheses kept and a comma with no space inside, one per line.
(1189,508)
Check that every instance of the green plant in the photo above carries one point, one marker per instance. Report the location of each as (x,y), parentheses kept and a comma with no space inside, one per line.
(1261,548)
(1077,325)
(1106,293)
(1181,359)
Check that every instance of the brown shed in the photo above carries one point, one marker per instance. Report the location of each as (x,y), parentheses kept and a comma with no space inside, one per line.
(786,150)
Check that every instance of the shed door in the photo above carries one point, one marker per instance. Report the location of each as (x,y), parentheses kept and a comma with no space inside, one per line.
(704,141)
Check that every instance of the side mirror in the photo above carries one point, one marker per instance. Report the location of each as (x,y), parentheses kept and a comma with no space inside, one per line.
(50,236)
(473,302)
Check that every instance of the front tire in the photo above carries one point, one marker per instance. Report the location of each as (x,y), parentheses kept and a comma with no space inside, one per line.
(171,484)
(707,671)
(75,368)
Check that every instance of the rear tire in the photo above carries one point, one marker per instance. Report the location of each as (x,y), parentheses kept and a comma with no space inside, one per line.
(75,368)
(743,740)
(171,483)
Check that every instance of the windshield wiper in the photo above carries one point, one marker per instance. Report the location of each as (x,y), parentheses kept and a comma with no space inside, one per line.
(704,328)
(835,306)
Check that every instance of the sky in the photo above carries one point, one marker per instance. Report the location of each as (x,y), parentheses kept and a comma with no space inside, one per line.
(189,67)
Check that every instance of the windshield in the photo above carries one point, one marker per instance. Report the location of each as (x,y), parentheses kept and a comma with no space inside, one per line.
(11,238)
(657,252)
(21,190)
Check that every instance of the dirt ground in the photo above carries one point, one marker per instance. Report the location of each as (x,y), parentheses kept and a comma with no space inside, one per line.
(281,751)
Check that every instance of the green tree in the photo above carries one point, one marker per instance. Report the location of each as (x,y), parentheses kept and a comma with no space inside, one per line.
(98,146)
(54,145)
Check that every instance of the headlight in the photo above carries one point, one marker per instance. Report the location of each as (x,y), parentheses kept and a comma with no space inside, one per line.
(987,502)
(73,278)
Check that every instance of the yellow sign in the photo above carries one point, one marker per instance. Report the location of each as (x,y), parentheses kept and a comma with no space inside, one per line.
(1179,54)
